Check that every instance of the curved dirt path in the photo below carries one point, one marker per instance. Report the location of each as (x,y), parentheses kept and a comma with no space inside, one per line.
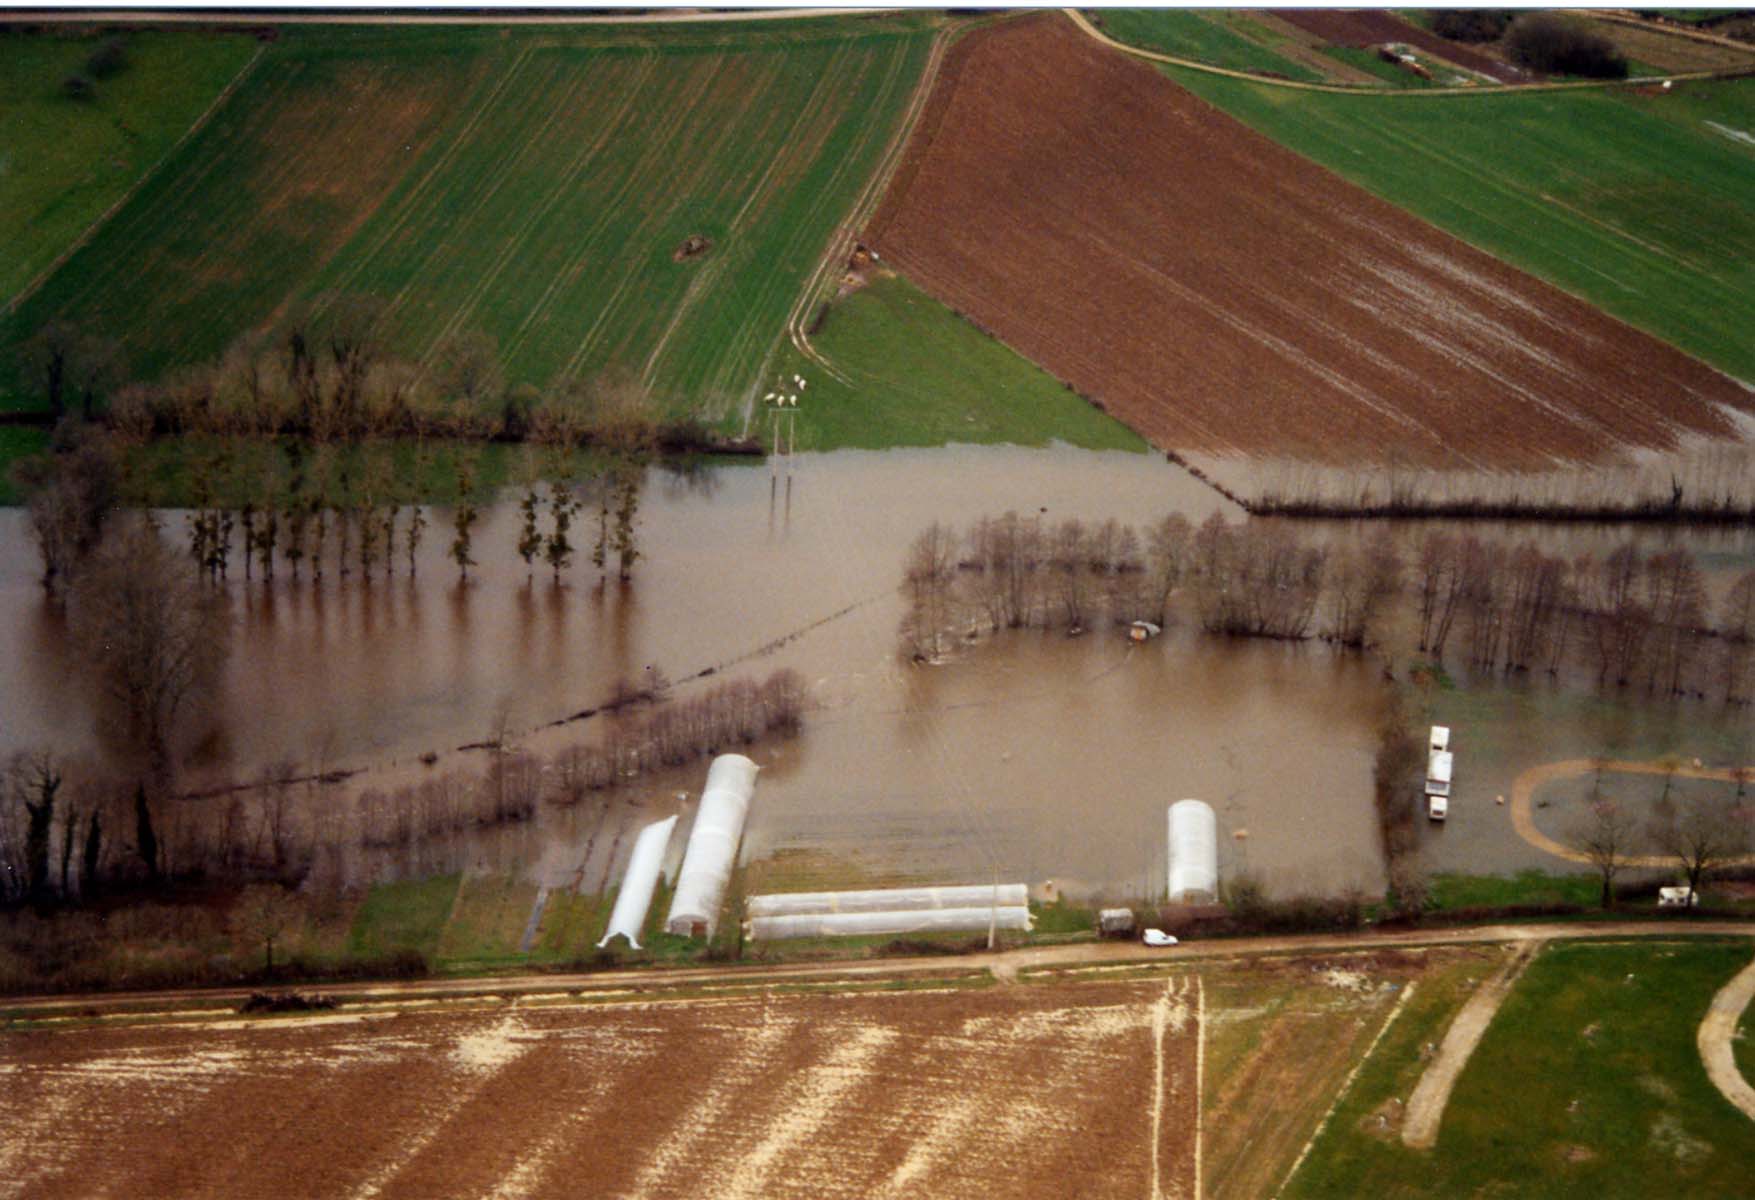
(1714,1040)
(1525,786)
(1085,26)
(1426,1106)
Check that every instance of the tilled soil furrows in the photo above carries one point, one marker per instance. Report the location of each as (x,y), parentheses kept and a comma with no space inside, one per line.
(1223,295)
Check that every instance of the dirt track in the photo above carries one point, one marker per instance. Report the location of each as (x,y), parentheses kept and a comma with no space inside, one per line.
(1223,295)
(1426,1105)
(1715,1035)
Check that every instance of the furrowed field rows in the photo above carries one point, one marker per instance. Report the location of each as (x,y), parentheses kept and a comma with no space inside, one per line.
(531,191)
(1289,314)
(1637,200)
(943,1092)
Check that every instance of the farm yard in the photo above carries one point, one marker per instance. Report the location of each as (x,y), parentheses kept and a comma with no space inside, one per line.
(1306,318)
(535,187)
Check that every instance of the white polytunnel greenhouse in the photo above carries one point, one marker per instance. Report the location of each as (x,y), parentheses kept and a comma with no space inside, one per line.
(913,920)
(786,904)
(639,881)
(1194,853)
(712,848)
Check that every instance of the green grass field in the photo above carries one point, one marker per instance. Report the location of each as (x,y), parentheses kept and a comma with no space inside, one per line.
(1588,1083)
(15,443)
(1641,204)
(1205,35)
(533,185)
(922,376)
(409,915)
(63,162)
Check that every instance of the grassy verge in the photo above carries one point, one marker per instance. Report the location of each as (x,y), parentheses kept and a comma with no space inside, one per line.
(486,924)
(1209,36)
(920,375)
(409,915)
(64,161)
(1638,203)
(1588,1082)
(1451,891)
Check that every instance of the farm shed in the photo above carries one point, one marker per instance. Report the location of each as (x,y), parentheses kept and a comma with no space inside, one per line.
(712,848)
(1194,853)
(1115,922)
(914,920)
(786,904)
(638,883)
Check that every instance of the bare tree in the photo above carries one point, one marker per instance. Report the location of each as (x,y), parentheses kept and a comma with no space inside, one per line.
(69,495)
(1606,834)
(1167,548)
(154,638)
(1701,832)
(1676,599)
(1736,627)
(926,582)
(263,915)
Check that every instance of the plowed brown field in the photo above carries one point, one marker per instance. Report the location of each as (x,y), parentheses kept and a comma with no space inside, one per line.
(1075,1089)
(1222,295)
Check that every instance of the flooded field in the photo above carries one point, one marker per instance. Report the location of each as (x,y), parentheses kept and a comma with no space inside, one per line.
(1029,756)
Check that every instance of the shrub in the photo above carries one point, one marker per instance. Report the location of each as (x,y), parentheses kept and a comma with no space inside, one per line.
(1471,24)
(78,87)
(107,60)
(1561,46)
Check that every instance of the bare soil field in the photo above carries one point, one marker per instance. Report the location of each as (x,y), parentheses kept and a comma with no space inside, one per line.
(1373,27)
(1069,1089)
(1223,295)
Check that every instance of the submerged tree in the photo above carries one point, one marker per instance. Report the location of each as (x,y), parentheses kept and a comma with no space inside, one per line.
(154,638)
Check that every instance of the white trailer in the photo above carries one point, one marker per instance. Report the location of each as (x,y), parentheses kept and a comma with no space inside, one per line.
(1440,739)
(1438,772)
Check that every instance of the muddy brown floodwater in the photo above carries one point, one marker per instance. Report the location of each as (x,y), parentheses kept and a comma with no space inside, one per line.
(1030,756)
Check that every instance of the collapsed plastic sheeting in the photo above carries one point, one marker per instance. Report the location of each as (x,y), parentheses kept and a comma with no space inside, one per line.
(639,881)
(987,895)
(1194,853)
(712,849)
(914,920)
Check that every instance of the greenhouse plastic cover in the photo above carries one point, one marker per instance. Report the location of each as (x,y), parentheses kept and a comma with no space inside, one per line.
(638,882)
(712,849)
(914,920)
(985,895)
(1194,852)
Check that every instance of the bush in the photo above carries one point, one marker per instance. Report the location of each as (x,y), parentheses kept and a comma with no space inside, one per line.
(107,60)
(1471,24)
(1561,46)
(78,87)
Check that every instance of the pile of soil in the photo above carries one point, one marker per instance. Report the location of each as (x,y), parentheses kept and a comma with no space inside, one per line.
(693,246)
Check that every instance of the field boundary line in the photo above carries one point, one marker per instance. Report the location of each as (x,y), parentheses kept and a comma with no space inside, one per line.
(1347,89)
(848,232)
(1431,1095)
(1200,1070)
(1346,1086)
(1717,1030)
(30,289)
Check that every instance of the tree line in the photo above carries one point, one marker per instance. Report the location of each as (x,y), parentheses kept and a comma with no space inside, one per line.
(71,831)
(1630,617)
(329,376)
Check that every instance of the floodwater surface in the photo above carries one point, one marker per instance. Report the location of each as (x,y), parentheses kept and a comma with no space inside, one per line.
(1029,756)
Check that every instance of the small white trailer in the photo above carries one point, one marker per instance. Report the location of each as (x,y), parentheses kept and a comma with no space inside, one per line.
(1438,771)
(1440,739)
